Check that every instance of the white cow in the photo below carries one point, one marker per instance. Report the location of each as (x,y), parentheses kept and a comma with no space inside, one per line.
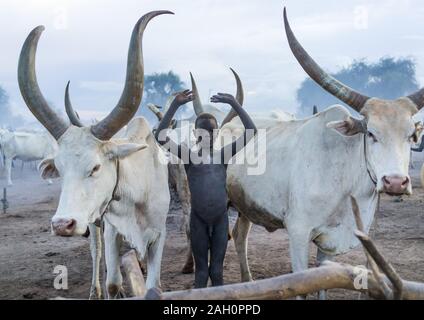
(314,165)
(25,146)
(123,181)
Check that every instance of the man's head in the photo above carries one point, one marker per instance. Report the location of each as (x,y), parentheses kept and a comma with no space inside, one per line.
(206,129)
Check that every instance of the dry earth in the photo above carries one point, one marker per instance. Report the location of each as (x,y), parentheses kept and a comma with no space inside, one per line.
(29,253)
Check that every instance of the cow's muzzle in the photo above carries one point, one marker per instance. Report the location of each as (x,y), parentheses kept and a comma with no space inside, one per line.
(64,227)
(395,185)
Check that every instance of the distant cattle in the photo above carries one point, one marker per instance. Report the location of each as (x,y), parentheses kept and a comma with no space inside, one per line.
(25,146)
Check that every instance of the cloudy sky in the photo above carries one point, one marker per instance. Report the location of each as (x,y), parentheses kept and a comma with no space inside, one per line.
(87,41)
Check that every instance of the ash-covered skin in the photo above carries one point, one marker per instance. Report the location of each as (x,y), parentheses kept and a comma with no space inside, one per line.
(206,170)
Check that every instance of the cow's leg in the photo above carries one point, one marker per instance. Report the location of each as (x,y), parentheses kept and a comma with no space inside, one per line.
(8,169)
(200,246)
(240,233)
(114,276)
(154,260)
(189,263)
(321,257)
(299,250)
(96,255)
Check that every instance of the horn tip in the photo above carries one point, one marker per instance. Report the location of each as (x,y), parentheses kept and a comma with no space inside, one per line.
(234,72)
(158,12)
(192,80)
(286,20)
(165,12)
(38,30)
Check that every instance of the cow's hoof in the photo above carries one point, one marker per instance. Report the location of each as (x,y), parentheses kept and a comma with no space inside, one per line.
(96,294)
(322,295)
(246,278)
(115,292)
(10,184)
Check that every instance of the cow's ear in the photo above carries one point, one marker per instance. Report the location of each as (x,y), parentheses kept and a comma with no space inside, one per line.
(123,150)
(348,127)
(48,169)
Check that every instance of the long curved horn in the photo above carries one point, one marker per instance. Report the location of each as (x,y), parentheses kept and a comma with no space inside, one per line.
(155,110)
(197,103)
(72,115)
(239,92)
(134,83)
(30,90)
(418,98)
(239,97)
(333,86)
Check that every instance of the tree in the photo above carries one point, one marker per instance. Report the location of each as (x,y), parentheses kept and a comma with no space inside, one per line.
(157,89)
(388,78)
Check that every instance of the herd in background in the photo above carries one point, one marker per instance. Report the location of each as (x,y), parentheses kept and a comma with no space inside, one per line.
(123,181)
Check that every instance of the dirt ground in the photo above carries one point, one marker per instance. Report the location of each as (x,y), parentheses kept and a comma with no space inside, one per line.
(29,253)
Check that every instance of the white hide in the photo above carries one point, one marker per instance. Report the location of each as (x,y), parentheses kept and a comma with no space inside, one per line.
(25,146)
(311,171)
(142,189)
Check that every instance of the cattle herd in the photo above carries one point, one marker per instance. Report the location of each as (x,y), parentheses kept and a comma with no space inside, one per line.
(117,185)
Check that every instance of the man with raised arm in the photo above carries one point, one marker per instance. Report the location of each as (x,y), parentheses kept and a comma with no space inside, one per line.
(206,170)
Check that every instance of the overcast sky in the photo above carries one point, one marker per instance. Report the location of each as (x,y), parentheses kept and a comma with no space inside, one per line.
(87,41)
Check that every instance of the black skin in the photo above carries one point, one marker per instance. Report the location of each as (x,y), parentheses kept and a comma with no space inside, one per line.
(207,183)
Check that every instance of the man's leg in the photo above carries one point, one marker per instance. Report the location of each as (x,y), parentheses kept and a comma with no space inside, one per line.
(199,243)
(219,241)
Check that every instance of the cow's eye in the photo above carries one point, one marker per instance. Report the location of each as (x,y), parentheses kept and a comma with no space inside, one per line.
(372,136)
(94,170)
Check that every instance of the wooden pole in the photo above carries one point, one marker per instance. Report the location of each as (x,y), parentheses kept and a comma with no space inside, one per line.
(133,273)
(328,276)
(4,201)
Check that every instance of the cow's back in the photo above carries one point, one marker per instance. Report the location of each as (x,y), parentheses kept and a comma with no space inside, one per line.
(30,146)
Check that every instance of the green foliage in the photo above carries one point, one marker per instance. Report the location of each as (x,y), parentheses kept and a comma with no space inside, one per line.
(157,89)
(388,78)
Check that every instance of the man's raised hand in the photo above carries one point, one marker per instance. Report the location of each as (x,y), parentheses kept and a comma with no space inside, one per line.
(223,98)
(183,97)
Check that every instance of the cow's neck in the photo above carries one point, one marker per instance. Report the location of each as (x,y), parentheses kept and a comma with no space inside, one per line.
(364,190)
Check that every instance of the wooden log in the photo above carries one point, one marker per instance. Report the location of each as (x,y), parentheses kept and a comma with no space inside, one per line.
(329,276)
(134,274)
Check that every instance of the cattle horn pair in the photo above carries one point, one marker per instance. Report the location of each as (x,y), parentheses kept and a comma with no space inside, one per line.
(117,118)
(197,103)
(352,98)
